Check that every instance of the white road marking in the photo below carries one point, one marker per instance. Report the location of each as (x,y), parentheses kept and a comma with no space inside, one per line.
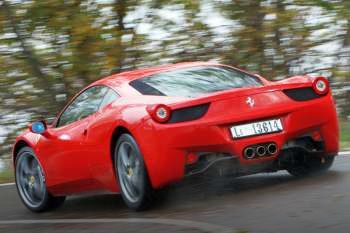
(7,184)
(205,227)
(344,153)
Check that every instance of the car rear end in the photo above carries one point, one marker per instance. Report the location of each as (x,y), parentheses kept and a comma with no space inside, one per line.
(254,126)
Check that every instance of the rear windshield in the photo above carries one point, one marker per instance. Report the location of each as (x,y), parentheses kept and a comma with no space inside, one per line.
(194,81)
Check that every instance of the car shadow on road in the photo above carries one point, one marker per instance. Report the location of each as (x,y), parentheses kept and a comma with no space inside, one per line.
(192,193)
(199,189)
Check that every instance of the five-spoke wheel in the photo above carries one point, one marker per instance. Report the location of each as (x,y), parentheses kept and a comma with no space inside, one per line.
(30,182)
(134,185)
(129,171)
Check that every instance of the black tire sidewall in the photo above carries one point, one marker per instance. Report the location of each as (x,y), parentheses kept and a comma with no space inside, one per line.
(314,166)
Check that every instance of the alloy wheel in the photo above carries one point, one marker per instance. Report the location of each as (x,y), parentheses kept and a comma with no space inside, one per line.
(129,172)
(30,180)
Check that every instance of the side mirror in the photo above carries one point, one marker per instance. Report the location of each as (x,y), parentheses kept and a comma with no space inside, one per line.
(38,127)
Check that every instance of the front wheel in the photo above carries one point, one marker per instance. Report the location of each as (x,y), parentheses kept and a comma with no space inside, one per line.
(311,166)
(132,175)
(30,183)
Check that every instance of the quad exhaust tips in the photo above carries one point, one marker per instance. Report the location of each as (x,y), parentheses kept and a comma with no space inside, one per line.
(260,150)
(249,153)
(272,148)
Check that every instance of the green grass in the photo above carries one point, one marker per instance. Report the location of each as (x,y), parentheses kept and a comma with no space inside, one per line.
(344,134)
(6,176)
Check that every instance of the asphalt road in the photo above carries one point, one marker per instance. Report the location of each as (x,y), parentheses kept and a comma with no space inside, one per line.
(273,202)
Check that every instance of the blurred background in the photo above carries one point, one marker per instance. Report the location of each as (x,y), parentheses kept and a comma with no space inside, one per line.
(51,49)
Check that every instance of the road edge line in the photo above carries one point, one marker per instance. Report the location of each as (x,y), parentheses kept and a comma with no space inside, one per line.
(7,184)
(202,226)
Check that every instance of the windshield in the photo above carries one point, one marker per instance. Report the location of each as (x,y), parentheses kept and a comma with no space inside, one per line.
(194,81)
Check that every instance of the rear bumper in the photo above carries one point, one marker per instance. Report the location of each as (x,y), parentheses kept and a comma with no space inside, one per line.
(166,146)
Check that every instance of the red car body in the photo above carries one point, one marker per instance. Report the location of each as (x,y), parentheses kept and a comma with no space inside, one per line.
(78,157)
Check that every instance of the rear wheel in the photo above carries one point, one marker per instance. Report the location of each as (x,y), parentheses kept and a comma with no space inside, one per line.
(30,183)
(311,165)
(132,175)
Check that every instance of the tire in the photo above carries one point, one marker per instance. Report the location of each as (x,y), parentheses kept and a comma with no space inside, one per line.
(30,183)
(132,175)
(311,166)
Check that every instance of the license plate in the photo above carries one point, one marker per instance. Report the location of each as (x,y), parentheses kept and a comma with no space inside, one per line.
(257,128)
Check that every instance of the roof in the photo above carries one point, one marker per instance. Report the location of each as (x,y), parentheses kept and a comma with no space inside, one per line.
(128,76)
(120,81)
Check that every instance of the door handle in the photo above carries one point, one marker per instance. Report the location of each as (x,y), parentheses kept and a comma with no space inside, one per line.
(85,132)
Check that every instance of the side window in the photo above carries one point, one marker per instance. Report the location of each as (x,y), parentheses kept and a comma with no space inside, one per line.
(84,105)
(110,97)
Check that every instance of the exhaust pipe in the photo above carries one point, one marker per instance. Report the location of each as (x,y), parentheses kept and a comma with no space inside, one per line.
(249,153)
(261,151)
(272,149)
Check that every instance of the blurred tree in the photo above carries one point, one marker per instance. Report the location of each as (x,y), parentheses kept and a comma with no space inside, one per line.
(49,50)
(340,71)
(270,37)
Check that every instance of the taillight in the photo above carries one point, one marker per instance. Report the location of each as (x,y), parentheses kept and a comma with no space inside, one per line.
(164,114)
(321,85)
(160,113)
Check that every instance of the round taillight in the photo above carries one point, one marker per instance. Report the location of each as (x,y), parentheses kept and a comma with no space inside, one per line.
(321,85)
(160,113)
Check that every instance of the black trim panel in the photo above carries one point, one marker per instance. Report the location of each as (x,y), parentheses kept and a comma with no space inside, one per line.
(189,113)
(302,94)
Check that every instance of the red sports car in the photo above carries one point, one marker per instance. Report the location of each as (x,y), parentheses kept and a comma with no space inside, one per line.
(137,132)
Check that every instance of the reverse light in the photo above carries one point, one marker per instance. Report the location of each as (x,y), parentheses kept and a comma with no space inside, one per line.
(160,113)
(191,158)
(316,136)
(321,85)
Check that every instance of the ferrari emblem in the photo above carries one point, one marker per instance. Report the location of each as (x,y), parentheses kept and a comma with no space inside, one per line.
(250,101)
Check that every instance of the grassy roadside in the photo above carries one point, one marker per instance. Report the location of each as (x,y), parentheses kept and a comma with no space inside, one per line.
(344,134)
(8,176)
